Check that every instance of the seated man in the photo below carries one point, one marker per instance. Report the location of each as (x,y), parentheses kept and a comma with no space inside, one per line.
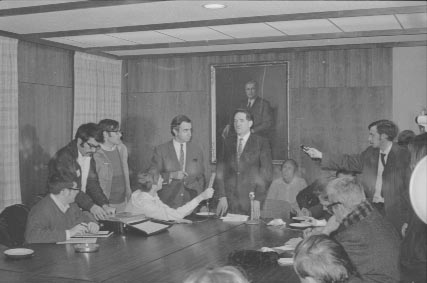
(369,239)
(146,201)
(320,258)
(57,217)
(287,187)
(309,201)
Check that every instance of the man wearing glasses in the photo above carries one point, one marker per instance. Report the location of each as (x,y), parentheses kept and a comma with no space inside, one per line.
(369,239)
(56,217)
(74,163)
(112,164)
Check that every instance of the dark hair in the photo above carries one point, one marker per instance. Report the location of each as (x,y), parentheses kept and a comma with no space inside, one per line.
(385,127)
(346,172)
(293,162)
(107,125)
(248,114)
(146,180)
(405,137)
(87,131)
(324,259)
(176,122)
(56,185)
(418,149)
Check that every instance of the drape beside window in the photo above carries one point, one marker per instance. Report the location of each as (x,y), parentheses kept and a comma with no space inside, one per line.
(97,89)
(10,192)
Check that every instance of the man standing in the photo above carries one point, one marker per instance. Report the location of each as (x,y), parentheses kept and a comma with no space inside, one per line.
(112,165)
(56,217)
(180,162)
(384,170)
(260,110)
(245,167)
(74,163)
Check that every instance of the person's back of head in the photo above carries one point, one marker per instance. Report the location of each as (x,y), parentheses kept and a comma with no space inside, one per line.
(345,191)
(319,258)
(225,274)
(405,137)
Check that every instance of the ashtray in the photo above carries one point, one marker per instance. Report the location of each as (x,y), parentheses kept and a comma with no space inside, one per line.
(19,253)
(86,248)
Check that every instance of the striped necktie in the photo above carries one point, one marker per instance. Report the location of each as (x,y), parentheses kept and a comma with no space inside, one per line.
(181,157)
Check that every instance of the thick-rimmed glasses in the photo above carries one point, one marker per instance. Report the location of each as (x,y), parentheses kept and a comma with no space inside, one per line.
(330,206)
(93,146)
(74,189)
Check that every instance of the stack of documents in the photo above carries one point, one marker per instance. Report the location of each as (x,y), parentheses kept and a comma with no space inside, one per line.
(235,218)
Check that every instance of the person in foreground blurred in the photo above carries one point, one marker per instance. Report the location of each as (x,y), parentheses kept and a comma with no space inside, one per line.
(287,186)
(321,259)
(225,274)
(413,251)
(369,239)
(146,201)
(57,217)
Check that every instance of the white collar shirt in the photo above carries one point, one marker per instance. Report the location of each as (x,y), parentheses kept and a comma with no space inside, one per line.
(84,162)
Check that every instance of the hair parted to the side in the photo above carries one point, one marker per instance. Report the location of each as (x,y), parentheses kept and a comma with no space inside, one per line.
(87,131)
(386,127)
(176,122)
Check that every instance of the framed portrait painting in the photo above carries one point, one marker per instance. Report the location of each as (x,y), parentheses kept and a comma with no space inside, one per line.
(262,89)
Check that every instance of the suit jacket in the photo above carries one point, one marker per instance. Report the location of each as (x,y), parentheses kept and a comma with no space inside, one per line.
(177,192)
(395,178)
(373,246)
(263,116)
(235,180)
(64,166)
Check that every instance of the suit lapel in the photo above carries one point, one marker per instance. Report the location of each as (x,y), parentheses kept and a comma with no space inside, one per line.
(171,152)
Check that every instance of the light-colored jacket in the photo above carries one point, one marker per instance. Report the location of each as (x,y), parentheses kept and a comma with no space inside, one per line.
(104,169)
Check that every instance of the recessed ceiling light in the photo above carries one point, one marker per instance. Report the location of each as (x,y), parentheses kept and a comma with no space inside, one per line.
(214,6)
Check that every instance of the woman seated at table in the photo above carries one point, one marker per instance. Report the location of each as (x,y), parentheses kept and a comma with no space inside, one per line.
(287,186)
(146,201)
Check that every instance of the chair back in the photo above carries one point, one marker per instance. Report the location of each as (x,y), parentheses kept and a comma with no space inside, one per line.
(13,221)
(274,208)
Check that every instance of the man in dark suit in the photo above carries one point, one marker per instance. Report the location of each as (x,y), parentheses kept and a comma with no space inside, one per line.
(383,166)
(260,110)
(245,167)
(180,162)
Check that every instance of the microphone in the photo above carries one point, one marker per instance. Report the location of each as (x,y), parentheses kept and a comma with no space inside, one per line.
(252,220)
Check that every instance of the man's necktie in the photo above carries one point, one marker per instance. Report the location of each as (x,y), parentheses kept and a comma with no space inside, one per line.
(181,157)
(383,158)
(249,104)
(239,148)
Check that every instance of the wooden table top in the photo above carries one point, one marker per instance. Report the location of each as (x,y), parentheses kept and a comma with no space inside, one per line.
(165,257)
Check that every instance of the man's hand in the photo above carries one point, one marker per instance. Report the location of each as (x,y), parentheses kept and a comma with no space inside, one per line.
(225,132)
(79,229)
(111,211)
(313,153)
(257,210)
(98,212)
(92,227)
(179,175)
(222,207)
(207,194)
(331,225)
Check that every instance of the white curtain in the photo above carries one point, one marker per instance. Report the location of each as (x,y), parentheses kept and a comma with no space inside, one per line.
(10,191)
(97,89)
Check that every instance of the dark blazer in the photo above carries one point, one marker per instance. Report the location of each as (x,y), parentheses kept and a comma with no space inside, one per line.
(395,178)
(235,180)
(64,166)
(263,116)
(178,192)
(373,246)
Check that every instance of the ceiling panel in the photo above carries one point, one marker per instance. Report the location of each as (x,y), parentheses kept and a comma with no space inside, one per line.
(67,41)
(287,44)
(145,37)
(195,34)
(305,27)
(95,40)
(382,22)
(248,30)
(416,20)
(11,4)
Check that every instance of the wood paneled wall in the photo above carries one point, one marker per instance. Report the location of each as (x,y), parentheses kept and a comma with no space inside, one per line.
(45,86)
(334,95)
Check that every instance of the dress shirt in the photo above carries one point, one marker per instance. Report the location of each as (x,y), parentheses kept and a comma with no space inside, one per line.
(84,162)
(245,139)
(62,208)
(250,103)
(177,147)
(379,183)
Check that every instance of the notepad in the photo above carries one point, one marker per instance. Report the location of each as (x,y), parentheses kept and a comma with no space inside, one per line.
(150,227)
(234,218)
(100,234)
(79,241)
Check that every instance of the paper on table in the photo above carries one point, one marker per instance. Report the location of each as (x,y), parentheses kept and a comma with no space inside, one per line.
(235,218)
(150,227)
(285,261)
(100,234)
(79,241)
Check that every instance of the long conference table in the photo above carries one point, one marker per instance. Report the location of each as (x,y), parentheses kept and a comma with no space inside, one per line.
(166,257)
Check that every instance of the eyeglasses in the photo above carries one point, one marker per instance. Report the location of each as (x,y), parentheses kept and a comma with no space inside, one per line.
(93,146)
(74,189)
(330,206)
(116,131)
